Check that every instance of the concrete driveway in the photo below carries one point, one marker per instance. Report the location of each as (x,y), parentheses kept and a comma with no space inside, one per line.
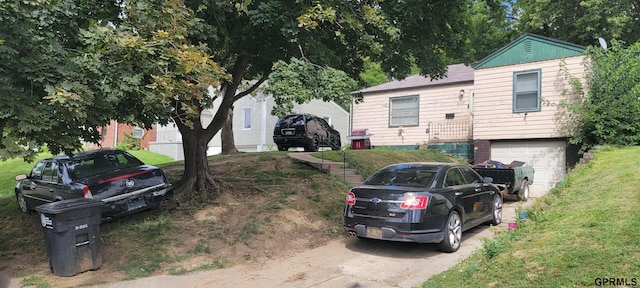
(347,262)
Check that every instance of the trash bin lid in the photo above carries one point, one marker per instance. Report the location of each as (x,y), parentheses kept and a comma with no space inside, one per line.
(68,205)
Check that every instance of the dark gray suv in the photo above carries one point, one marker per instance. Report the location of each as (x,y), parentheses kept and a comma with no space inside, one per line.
(307,131)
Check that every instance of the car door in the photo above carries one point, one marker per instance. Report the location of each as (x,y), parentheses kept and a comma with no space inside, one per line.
(38,191)
(49,185)
(483,193)
(465,196)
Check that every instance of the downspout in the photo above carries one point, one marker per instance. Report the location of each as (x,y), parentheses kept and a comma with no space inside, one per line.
(115,136)
(472,113)
(263,124)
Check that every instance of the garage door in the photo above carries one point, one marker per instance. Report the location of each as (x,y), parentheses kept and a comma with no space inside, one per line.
(547,157)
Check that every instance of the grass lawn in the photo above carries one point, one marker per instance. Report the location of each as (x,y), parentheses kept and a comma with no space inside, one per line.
(583,233)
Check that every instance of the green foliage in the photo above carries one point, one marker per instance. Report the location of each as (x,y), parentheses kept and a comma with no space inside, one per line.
(372,74)
(610,112)
(300,81)
(580,22)
(490,27)
(129,142)
(44,100)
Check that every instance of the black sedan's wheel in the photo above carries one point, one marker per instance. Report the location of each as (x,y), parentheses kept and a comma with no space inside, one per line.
(496,210)
(523,194)
(22,203)
(452,233)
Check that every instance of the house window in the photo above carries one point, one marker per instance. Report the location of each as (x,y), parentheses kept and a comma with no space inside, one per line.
(138,132)
(246,118)
(403,111)
(526,91)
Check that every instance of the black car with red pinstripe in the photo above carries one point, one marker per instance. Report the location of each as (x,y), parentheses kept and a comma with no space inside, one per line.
(124,183)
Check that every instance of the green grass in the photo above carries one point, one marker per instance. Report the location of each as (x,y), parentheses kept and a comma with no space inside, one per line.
(582,231)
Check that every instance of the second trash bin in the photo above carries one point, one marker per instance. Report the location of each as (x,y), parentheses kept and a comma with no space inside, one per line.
(72,235)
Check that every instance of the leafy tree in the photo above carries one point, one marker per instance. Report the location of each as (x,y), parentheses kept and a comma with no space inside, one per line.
(148,61)
(249,37)
(609,113)
(155,74)
(37,41)
(580,21)
(491,28)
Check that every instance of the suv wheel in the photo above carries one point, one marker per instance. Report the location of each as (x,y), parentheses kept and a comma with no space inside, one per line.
(313,146)
(282,148)
(335,143)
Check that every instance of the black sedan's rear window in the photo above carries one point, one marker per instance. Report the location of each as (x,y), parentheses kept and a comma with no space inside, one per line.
(408,176)
(102,164)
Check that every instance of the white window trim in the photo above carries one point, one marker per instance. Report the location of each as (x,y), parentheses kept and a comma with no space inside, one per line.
(417,111)
(244,118)
(538,107)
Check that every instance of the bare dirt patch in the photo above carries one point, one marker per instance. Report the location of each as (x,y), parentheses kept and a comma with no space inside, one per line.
(266,207)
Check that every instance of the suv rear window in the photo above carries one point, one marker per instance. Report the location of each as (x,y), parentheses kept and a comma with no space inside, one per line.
(291,119)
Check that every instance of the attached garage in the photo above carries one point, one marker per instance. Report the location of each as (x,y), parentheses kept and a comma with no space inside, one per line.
(548,158)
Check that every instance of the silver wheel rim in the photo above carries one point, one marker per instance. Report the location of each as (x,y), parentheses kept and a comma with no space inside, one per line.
(526,192)
(497,212)
(22,202)
(455,231)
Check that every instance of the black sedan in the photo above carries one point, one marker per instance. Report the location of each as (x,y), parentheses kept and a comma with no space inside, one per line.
(115,177)
(422,202)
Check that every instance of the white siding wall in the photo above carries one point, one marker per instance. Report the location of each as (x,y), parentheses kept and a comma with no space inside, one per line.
(435,102)
(493,101)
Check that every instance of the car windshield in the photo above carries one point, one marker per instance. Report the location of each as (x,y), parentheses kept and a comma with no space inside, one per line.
(402,175)
(102,163)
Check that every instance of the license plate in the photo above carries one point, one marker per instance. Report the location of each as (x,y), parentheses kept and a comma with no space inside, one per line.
(374,232)
(135,204)
(288,132)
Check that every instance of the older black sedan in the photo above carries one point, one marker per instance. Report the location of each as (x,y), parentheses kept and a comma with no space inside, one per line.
(422,202)
(115,177)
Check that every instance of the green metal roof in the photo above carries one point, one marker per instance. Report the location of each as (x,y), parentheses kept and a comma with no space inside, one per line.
(530,48)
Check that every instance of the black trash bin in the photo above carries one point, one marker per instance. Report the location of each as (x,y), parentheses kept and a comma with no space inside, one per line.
(72,235)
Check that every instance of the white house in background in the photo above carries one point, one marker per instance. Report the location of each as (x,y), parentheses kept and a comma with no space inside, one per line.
(253,126)
(253,123)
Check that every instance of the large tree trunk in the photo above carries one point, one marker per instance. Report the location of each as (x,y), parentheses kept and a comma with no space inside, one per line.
(197,181)
(228,142)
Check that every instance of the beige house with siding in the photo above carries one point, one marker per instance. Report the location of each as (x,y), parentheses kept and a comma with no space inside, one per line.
(505,108)
(418,110)
(517,93)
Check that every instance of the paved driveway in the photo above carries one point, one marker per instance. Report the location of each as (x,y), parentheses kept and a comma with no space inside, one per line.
(347,262)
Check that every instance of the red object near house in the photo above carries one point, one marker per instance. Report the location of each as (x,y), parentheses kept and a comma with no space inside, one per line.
(360,139)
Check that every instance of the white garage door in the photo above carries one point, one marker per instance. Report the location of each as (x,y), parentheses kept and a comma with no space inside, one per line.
(547,157)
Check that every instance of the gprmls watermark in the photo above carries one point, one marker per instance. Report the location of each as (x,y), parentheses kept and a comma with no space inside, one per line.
(612,281)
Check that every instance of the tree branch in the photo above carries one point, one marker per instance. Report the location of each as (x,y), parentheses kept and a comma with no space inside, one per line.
(250,90)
